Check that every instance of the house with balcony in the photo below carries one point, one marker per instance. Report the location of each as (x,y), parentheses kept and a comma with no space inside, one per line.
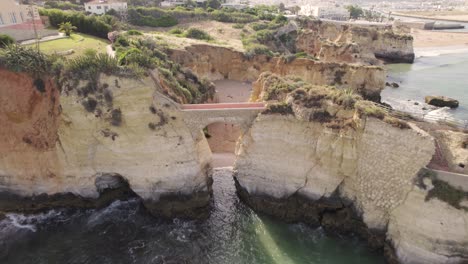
(100,7)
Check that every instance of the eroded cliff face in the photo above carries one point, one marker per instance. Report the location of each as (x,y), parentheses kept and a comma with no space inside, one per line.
(311,160)
(53,146)
(373,42)
(216,63)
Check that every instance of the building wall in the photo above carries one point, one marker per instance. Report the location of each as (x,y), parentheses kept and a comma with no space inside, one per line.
(102,8)
(12,13)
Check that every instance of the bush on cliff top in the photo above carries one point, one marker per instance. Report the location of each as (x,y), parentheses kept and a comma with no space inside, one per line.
(22,59)
(6,40)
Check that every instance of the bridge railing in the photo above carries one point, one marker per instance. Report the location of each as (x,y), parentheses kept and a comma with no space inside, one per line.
(189,107)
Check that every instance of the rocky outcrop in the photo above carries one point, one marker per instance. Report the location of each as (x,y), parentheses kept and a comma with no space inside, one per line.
(373,42)
(324,165)
(216,63)
(454,148)
(54,147)
(441,101)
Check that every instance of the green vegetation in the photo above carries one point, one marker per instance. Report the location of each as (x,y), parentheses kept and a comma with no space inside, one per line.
(179,84)
(158,17)
(195,33)
(355,11)
(20,59)
(78,42)
(62,5)
(6,40)
(281,108)
(97,26)
(367,108)
(67,28)
(134,32)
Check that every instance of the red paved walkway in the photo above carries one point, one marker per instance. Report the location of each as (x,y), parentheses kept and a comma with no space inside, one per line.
(223,106)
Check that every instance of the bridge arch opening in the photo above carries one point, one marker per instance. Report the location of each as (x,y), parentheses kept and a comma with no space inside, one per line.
(222,139)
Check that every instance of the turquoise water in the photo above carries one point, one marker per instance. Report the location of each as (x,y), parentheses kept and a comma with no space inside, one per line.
(125,233)
(445,74)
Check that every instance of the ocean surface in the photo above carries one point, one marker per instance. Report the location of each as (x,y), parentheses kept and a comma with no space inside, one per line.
(124,233)
(434,72)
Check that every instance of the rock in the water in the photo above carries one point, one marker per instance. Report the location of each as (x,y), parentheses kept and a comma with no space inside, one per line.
(395,85)
(441,101)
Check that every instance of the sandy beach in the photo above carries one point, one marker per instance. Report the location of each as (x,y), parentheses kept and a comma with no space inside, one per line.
(434,43)
(223,136)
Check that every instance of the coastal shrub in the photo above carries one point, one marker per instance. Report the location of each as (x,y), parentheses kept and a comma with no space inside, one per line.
(98,26)
(367,108)
(195,33)
(345,97)
(136,56)
(116,117)
(121,41)
(232,17)
(395,122)
(238,26)
(134,32)
(6,40)
(152,17)
(259,26)
(62,5)
(23,59)
(176,31)
(89,104)
(258,49)
(282,108)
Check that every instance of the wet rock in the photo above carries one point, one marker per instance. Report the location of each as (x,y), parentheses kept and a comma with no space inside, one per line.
(395,85)
(441,101)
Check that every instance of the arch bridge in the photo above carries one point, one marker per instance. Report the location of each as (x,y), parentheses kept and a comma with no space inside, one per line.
(198,116)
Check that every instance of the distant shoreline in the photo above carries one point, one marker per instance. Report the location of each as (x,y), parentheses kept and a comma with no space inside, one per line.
(432,18)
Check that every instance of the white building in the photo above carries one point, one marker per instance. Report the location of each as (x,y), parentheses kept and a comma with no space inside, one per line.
(331,12)
(100,7)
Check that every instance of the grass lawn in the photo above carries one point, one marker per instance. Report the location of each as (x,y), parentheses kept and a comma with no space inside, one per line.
(78,42)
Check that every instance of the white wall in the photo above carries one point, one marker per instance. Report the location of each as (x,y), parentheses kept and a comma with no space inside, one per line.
(102,8)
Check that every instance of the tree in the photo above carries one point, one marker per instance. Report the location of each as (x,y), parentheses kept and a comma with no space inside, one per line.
(215,4)
(6,40)
(67,28)
(281,7)
(355,11)
(296,10)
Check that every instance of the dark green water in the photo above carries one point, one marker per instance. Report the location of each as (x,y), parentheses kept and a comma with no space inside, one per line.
(125,233)
(445,74)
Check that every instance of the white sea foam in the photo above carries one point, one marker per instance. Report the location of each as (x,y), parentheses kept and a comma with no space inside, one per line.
(437,51)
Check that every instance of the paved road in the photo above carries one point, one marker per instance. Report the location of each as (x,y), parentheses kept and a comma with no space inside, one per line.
(223,106)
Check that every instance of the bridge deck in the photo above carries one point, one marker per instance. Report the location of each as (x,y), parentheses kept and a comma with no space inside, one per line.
(234,106)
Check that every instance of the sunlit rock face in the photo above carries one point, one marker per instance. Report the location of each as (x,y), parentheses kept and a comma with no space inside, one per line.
(50,144)
(217,63)
(373,42)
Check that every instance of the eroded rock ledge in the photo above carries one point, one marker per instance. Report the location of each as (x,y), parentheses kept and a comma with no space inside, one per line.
(333,160)
(54,150)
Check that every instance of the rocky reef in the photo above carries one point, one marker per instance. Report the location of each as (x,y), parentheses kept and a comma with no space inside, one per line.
(328,158)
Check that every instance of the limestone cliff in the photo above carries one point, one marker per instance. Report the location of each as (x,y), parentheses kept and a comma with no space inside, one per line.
(215,63)
(383,43)
(54,145)
(316,159)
